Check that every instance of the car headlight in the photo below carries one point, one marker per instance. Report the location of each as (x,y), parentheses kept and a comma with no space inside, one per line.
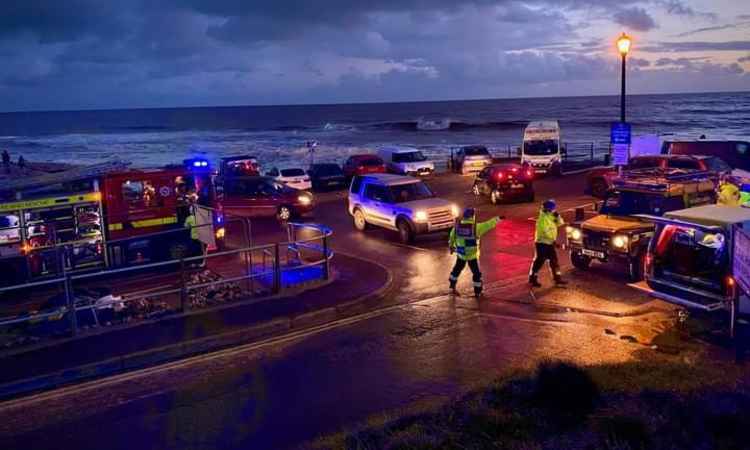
(304,200)
(420,216)
(574,234)
(220,233)
(620,241)
(455,210)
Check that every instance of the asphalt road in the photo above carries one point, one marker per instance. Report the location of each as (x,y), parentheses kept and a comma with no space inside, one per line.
(280,393)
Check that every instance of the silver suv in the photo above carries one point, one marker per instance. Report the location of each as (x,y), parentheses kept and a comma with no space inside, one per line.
(399,203)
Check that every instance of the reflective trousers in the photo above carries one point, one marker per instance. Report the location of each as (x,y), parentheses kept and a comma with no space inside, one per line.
(545,252)
(476,273)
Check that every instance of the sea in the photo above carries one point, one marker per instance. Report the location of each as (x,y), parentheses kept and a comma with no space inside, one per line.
(282,135)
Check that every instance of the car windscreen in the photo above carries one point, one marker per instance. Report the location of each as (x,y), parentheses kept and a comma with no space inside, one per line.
(271,187)
(476,151)
(716,164)
(370,162)
(548,147)
(403,193)
(629,203)
(292,172)
(692,256)
(408,157)
(327,170)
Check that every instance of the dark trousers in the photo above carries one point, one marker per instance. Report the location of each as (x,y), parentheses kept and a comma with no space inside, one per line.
(476,273)
(545,252)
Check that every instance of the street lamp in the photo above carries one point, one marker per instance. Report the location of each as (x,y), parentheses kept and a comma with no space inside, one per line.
(623,46)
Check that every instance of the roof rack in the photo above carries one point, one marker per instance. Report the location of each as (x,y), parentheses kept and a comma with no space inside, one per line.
(77,173)
(664,180)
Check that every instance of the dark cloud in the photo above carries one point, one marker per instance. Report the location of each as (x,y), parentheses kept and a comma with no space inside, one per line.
(639,62)
(744,59)
(678,7)
(729,26)
(635,18)
(697,46)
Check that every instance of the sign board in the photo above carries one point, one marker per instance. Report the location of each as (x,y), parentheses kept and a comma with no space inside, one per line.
(741,263)
(620,133)
(620,154)
(646,145)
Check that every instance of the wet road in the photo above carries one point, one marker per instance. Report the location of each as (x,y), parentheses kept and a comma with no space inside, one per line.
(282,392)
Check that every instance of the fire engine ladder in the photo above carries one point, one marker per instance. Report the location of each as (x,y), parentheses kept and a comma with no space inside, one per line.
(78,173)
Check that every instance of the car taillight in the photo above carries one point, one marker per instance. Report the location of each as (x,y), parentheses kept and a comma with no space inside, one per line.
(514,169)
(530,173)
(500,175)
(731,287)
(649,261)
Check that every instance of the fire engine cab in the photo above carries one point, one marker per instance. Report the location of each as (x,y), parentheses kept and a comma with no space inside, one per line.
(98,217)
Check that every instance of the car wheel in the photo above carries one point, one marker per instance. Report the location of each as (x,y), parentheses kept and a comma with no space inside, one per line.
(405,233)
(360,223)
(495,197)
(475,190)
(579,261)
(598,188)
(284,214)
(635,268)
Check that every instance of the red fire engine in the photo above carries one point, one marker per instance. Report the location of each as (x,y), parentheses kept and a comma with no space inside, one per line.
(102,216)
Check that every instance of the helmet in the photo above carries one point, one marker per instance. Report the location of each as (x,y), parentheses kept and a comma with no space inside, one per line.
(469,213)
(549,205)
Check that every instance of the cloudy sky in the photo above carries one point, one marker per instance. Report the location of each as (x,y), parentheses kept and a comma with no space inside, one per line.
(77,54)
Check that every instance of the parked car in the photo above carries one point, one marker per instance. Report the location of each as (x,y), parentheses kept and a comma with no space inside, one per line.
(735,153)
(239,166)
(690,259)
(363,164)
(505,181)
(406,161)
(399,203)
(293,177)
(326,176)
(618,234)
(599,181)
(470,159)
(264,197)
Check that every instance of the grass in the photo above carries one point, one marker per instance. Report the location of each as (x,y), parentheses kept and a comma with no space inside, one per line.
(632,406)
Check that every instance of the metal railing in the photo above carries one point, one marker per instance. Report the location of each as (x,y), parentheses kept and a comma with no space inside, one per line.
(306,258)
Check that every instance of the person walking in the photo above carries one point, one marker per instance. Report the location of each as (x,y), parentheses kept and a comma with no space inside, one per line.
(464,241)
(545,237)
(6,161)
(21,162)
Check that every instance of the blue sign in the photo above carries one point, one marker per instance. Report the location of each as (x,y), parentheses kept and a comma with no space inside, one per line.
(620,133)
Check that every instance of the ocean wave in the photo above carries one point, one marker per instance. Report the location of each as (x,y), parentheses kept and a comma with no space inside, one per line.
(446,125)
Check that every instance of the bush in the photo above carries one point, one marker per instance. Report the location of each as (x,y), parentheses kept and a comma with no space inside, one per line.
(565,391)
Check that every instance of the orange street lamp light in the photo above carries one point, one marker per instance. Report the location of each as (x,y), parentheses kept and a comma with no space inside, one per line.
(623,46)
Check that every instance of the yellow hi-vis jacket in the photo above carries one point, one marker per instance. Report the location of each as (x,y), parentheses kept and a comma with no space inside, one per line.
(729,195)
(191,225)
(467,243)
(546,227)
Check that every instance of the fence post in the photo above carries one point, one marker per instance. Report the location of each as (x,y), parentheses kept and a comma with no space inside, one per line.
(276,269)
(183,288)
(592,153)
(70,301)
(326,267)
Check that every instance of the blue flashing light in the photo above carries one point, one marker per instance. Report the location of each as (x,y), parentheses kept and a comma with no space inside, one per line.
(197,163)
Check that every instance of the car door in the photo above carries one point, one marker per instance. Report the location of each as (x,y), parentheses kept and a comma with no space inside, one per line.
(267,197)
(234,200)
(377,205)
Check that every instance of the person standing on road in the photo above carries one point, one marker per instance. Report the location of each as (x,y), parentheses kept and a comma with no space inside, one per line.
(545,237)
(464,240)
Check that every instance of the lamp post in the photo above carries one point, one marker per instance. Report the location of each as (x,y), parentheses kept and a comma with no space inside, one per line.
(623,46)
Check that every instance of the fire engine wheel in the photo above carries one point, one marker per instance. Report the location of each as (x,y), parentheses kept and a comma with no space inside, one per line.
(635,268)
(579,261)
(475,190)
(405,233)
(284,214)
(496,197)
(360,223)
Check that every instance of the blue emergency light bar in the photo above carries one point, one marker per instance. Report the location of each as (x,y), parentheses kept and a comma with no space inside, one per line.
(196,163)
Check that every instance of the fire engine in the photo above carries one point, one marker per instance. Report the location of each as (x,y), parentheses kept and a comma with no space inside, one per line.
(100,217)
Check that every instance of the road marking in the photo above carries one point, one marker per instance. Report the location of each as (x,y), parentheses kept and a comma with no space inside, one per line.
(409,246)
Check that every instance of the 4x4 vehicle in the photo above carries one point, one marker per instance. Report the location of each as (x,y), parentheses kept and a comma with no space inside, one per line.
(326,176)
(735,153)
(502,181)
(399,203)
(406,161)
(470,159)
(691,258)
(264,197)
(599,181)
(616,234)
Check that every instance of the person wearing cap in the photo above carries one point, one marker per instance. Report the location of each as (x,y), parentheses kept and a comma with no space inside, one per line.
(545,236)
(464,240)
(729,194)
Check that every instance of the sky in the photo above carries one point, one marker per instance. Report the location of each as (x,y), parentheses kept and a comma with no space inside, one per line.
(101,54)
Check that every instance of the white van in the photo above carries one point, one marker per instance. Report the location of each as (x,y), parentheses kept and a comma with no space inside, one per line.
(541,146)
(406,161)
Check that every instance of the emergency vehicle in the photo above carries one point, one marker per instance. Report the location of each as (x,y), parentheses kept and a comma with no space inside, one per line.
(99,217)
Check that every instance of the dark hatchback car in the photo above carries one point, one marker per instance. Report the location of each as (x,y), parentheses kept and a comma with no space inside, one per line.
(264,197)
(505,181)
(326,176)
(363,165)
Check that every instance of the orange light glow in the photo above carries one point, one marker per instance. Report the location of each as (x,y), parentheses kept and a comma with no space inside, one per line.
(623,44)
